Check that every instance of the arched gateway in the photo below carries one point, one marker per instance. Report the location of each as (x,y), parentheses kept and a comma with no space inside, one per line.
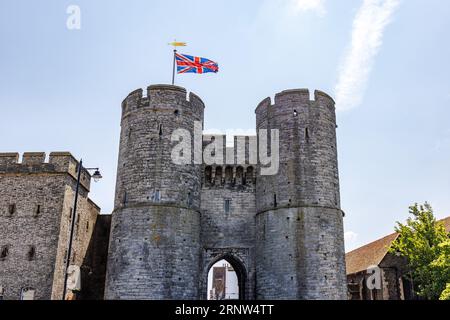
(277,223)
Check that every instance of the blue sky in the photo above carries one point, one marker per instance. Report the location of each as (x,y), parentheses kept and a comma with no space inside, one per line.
(385,61)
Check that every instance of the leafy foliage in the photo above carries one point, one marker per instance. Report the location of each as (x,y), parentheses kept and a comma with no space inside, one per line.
(426,245)
(446,293)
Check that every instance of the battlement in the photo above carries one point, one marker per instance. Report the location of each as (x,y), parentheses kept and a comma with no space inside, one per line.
(162,97)
(34,163)
(298,96)
(230,176)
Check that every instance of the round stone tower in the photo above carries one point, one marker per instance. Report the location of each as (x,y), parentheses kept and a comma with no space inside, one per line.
(299,223)
(155,231)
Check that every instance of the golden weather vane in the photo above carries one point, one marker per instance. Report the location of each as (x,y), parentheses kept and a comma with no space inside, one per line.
(175,44)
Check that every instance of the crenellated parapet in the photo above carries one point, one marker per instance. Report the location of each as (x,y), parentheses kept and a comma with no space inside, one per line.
(157,199)
(35,163)
(164,99)
(296,101)
(233,166)
(298,208)
(307,150)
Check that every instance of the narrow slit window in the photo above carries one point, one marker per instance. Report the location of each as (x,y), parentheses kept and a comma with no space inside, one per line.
(38,210)
(31,253)
(189,199)
(307,133)
(227,205)
(4,252)
(12,209)
(125,198)
(275,200)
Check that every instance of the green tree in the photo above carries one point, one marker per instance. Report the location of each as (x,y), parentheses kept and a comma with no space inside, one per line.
(425,244)
(446,293)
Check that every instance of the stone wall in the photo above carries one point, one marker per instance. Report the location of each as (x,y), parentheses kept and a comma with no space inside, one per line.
(93,272)
(155,235)
(35,205)
(228,230)
(283,234)
(300,245)
(299,255)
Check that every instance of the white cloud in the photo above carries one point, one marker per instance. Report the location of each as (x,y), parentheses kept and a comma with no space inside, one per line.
(350,236)
(367,37)
(317,6)
(350,240)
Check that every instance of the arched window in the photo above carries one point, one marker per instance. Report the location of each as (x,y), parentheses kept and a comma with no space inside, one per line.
(249,175)
(239,175)
(208,174)
(218,175)
(228,174)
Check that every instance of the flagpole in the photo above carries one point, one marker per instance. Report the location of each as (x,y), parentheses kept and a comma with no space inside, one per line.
(174,62)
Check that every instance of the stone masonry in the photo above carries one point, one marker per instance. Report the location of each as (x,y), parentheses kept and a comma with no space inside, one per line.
(36,200)
(283,233)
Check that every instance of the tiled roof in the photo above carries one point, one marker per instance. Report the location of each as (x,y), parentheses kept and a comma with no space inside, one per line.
(369,255)
(373,253)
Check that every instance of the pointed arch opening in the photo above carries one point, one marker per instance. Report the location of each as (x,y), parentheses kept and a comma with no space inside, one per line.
(226,278)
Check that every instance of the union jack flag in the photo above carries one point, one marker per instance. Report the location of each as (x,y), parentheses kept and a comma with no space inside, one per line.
(191,64)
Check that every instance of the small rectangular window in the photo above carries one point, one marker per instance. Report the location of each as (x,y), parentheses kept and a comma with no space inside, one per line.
(12,209)
(38,210)
(31,253)
(227,205)
(157,196)
(189,199)
(4,252)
